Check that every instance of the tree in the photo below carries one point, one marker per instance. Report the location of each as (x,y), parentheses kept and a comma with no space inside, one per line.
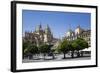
(31,50)
(84,45)
(44,49)
(25,48)
(80,44)
(52,51)
(63,48)
(71,46)
(76,46)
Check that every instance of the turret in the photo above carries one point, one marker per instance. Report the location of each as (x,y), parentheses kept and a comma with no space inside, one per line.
(78,30)
(47,34)
(70,32)
(47,30)
(38,28)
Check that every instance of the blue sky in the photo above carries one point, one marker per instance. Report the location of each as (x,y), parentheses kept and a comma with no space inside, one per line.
(59,22)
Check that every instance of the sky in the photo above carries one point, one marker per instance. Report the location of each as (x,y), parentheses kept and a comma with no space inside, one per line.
(59,22)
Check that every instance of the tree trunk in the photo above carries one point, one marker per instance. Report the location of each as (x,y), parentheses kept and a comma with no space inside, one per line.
(72,54)
(78,54)
(64,55)
(53,57)
(81,53)
(44,56)
(23,55)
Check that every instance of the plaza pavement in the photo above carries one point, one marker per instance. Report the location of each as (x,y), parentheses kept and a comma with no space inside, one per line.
(57,58)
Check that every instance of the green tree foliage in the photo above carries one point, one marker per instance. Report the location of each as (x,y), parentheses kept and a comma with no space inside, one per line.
(80,44)
(33,49)
(63,47)
(71,47)
(29,49)
(53,50)
(45,49)
(25,48)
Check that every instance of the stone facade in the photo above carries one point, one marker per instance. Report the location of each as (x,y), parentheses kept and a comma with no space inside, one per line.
(79,32)
(39,36)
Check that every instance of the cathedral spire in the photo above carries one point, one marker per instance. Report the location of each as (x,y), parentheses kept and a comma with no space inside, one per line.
(39,27)
(47,29)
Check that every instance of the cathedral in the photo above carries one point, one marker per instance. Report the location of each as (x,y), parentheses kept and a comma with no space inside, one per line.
(39,36)
(45,36)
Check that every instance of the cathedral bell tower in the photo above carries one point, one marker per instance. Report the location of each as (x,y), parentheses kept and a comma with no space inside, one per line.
(38,29)
(47,35)
(39,33)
